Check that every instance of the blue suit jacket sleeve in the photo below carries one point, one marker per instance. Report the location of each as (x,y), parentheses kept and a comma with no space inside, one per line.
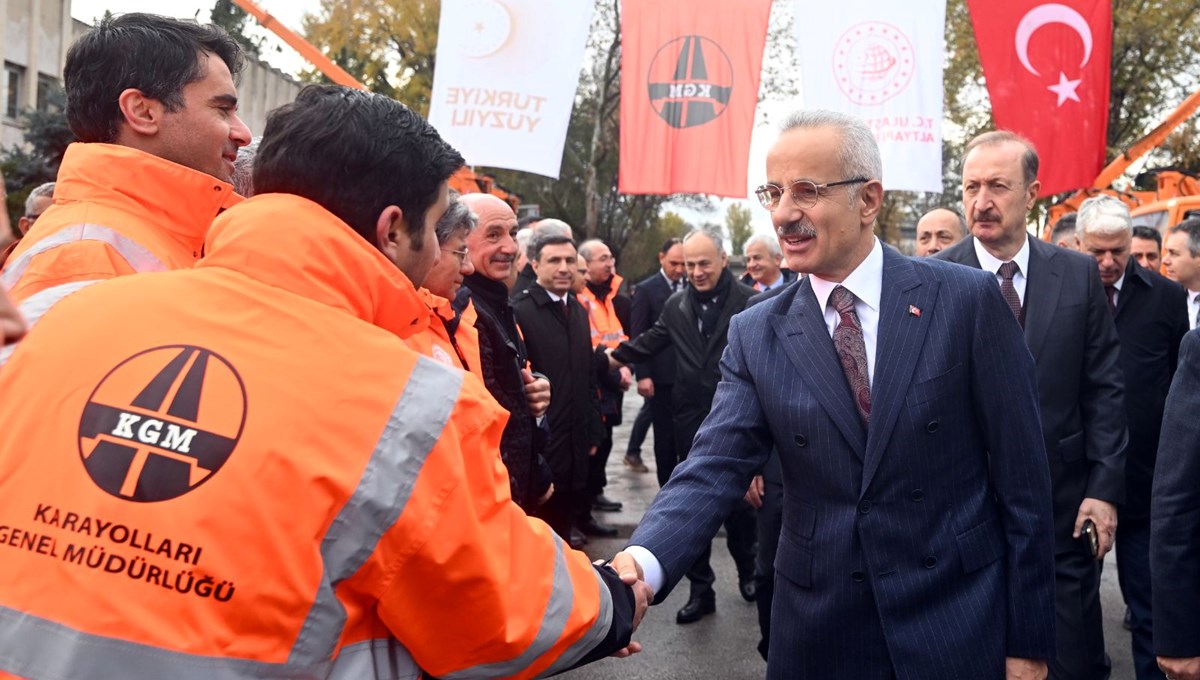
(729,449)
(1175,513)
(1006,392)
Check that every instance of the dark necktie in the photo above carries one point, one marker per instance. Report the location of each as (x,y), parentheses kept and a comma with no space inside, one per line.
(1007,271)
(852,350)
(1111,291)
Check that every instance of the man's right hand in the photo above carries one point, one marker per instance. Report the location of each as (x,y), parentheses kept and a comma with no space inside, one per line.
(12,326)
(1180,669)
(754,496)
(1025,669)
(613,364)
(646,387)
(631,575)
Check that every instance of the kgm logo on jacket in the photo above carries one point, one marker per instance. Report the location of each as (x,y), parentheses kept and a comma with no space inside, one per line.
(162,423)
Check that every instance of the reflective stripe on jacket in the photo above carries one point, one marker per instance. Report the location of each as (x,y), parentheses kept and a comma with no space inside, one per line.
(247,475)
(116,211)
(606,327)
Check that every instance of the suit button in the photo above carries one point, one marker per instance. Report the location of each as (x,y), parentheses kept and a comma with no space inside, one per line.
(864,507)
(917,495)
(857,576)
(800,440)
(930,562)
(932,427)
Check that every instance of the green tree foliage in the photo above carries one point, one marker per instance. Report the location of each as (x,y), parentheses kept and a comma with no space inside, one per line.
(641,253)
(46,138)
(235,21)
(737,225)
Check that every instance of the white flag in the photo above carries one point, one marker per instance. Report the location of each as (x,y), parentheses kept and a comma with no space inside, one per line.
(505,80)
(882,63)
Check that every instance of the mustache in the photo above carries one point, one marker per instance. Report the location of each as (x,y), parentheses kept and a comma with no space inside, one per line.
(987,216)
(501,257)
(797,228)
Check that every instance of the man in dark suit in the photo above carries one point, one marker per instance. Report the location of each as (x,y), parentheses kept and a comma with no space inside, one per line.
(558,339)
(1174,526)
(656,376)
(764,264)
(695,322)
(917,535)
(1057,295)
(1151,316)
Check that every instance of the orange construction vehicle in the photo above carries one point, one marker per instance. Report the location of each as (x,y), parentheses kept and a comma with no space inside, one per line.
(1176,195)
(465,181)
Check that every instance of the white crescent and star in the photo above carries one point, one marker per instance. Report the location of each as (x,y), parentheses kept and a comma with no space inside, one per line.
(1054,13)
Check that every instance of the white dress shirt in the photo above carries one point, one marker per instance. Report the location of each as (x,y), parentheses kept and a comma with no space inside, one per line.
(1193,307)
(675,286)
(866,282)
(989,263)
(1117,293)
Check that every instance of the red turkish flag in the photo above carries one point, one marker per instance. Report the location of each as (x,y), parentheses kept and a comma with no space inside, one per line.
(1047,66)
(689,85)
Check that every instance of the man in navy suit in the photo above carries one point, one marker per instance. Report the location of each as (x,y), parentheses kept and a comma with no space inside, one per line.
(1058,296)
(917,538)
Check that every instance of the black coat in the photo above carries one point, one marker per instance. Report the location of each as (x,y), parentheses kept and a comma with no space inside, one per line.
(502,355)
(697,361)
(1151,321)
(560,348)
(649,297)
(1071,335)
(525,278)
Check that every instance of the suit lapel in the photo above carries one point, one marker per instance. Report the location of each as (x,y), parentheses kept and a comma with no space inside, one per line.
(805,339)
(898,344)
(1132,288)
(1043,282)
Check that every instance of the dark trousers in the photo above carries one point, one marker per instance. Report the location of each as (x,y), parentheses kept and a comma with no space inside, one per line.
(770,523)
(637,434)
(1133,573)
(740,534)
(597,478)
(1078,620)
(665,456)
(561,511)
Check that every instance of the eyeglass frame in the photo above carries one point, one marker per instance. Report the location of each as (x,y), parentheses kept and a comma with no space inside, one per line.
(817,191)
(460,254)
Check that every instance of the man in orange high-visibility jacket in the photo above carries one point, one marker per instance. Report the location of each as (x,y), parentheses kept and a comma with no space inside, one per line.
(153,103)
(248,475)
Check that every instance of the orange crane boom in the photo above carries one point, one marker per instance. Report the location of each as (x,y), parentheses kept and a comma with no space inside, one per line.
(331,70)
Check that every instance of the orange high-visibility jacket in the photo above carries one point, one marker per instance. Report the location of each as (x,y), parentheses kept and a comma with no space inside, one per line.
(242,472)
(436,342)
(116,211)
(606,327)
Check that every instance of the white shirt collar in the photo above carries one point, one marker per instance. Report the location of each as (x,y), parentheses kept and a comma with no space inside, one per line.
(989,263)
(866,281)
(666,278)
(556,298)
(1120,282)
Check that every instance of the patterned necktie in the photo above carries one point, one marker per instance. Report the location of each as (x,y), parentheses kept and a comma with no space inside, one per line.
(852,350)
(1007,271)
(1111,291)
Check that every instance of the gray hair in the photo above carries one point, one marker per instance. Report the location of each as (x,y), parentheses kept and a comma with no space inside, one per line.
(41,191)
(1103,214)
(543,228)
(458,217)
(858,153)
(1029,159)
(540,241)
(524,240)
(1191,227)
(243,168)
(712,236)
(587,248)
(771,242)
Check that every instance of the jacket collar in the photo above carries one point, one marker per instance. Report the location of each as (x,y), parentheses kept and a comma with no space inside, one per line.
(292,243)
(180,201)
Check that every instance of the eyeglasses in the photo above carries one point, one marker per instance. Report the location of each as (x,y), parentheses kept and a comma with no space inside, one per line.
(460,254)
(804,193)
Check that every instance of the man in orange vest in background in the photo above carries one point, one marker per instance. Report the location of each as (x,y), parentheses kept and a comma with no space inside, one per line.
(248,475)
(608,313)
(153,103)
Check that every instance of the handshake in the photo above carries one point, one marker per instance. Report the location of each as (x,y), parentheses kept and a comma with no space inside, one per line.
(631,575)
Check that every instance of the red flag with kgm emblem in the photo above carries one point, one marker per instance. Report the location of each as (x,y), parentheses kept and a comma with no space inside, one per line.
(1047,66)
(689,85)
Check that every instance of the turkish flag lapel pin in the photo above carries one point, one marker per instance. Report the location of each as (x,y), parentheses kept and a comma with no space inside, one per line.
(914,310)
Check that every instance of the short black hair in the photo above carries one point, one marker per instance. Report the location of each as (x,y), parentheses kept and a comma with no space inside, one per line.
(355,153)
(669,244)
(540,242)
(1191,227)
(1065,224)
(1149,234)
(156,55)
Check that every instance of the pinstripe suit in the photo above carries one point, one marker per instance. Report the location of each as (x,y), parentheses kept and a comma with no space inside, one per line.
(920,549)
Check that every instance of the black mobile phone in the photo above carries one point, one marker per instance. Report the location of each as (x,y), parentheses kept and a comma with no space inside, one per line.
(1090,535)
